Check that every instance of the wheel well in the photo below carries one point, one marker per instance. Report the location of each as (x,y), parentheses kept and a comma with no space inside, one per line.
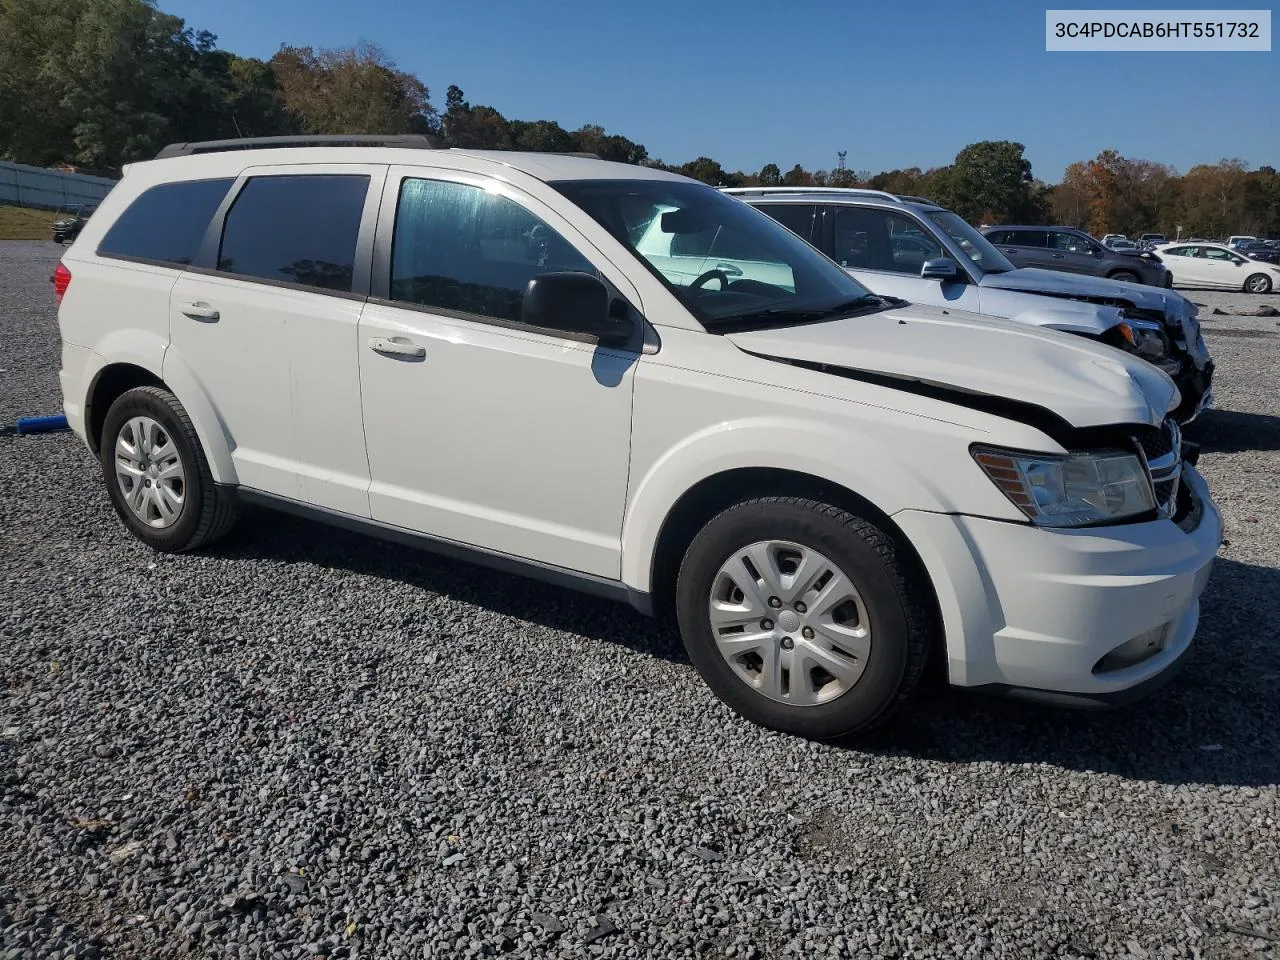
(716,493)
(110,382)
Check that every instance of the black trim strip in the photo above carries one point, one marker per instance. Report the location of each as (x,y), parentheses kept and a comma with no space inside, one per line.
(547,573)
(284,284)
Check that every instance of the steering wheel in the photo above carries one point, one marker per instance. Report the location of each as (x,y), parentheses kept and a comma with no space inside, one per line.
(707,277)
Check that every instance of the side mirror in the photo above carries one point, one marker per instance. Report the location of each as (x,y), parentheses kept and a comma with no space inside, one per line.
(573,302)
(939,268)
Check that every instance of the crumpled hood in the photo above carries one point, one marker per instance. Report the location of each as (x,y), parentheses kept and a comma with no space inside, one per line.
(1058,283)
(1085,384)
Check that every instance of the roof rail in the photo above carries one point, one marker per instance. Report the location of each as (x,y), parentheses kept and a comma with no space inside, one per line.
(415,141)
(759,191)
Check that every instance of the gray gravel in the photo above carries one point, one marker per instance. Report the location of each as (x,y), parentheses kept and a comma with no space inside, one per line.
(306,743)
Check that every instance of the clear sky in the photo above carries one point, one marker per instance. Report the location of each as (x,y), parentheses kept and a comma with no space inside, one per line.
(896,83)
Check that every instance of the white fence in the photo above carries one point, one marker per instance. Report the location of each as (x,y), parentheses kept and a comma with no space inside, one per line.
(52,189)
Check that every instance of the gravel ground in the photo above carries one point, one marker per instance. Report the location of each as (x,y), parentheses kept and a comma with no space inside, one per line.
(308,743)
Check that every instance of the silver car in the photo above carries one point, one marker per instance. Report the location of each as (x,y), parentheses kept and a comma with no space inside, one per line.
(912,249)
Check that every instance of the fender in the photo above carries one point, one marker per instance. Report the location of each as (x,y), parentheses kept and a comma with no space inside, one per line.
(876,474)
(151,352)
(1087,318)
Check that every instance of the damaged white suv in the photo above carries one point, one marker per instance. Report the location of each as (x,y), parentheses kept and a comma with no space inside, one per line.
(488,354)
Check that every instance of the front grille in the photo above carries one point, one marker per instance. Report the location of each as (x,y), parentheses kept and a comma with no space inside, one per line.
(1162,449)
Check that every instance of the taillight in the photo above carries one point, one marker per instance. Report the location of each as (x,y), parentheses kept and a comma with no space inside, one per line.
(61,280)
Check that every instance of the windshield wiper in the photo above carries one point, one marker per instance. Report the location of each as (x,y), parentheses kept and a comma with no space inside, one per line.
(771,316)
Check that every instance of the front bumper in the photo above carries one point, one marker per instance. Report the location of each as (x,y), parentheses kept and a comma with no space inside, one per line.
(1035,610)
(1196,387)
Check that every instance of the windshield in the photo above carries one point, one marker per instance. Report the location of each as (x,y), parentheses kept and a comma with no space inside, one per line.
(977,247)
(727,262)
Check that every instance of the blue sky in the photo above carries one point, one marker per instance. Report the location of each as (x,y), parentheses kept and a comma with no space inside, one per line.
(896,84)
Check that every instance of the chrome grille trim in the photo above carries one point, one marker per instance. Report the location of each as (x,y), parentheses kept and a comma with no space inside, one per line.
(1163,459)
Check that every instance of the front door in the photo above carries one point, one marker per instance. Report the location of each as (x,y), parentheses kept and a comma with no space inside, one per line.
(479,428)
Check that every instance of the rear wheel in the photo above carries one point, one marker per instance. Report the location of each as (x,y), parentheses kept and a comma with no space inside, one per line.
(1125,275)
(157,475)
(802,616)
(1258,283)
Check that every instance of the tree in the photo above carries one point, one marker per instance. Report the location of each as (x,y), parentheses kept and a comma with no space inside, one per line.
(797,176)
(770,175)
(352,90)
(706,170)
(842,177)
(593,139)
(990,181)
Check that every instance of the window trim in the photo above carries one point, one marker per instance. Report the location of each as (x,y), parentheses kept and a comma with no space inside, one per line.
(152,261)
(206,260)
(380,268)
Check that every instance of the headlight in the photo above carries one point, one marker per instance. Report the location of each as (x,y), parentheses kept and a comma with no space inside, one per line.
(1146,338)
(1074,490)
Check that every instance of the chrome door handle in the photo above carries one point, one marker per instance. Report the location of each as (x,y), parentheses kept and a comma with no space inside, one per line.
(200,311)
(1056,256)
(397,347)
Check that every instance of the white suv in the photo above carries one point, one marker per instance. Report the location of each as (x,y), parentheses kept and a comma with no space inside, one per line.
(481,353)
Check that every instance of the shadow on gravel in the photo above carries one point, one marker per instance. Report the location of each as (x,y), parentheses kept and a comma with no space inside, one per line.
(1217,722)
(1233,431)
(280,537)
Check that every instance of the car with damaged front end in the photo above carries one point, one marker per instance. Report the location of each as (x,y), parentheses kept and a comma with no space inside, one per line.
(623,381)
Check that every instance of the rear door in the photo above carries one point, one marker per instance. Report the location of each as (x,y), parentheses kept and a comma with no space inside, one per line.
(1222,268)
(1027,248)
(267,319)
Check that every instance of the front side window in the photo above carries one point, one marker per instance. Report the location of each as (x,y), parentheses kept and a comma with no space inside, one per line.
(1179,252)
(1070,242)
(974,245)
(461,248)
(165,223)
(727,262)
(869,238)
(1214,253)
(297,228)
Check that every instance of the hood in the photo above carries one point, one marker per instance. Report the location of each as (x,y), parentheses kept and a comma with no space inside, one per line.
(1082,383)
(1055,283)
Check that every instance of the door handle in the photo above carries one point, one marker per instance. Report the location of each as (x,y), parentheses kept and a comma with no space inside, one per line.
(1056,256)
(200,311)
(397,347)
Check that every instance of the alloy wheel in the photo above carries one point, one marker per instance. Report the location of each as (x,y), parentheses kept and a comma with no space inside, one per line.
(150,472)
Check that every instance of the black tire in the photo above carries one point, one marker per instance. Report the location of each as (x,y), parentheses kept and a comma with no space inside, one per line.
(1125,275)
(1258,283)
(893,592)
(58,239)
(1168,281)
(207,513)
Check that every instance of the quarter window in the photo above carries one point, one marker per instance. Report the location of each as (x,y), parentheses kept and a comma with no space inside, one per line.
(296,229)
(165,223)
(460,248)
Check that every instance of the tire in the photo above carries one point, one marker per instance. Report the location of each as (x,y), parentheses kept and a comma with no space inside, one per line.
(893,611)
(1168,281)
(202,514)
(1258,283)
(1125,275)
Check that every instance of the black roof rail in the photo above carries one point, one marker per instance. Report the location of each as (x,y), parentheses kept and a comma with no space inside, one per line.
(413,141)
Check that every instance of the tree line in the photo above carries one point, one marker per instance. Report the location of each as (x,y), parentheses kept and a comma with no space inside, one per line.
(101,83)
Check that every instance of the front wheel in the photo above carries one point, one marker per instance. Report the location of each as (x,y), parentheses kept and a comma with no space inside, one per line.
(1258,283)
(802,616)
(157,475)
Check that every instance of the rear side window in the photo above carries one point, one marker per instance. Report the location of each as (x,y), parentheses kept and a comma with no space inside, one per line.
(296,229)
(165,223)
(1027,238)
(796,217)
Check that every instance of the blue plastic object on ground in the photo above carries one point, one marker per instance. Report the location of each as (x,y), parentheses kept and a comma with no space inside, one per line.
(43,424)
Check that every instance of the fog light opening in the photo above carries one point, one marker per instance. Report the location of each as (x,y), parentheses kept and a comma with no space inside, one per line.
(1134,651)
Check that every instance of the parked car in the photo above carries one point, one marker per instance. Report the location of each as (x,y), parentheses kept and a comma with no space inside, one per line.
(503,362)
(1124,245)
(68,228)
(1153,238)
(962,270)
(1216,265)
(1235,242)
(1111,238)
(1257,250)
(1074,251)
